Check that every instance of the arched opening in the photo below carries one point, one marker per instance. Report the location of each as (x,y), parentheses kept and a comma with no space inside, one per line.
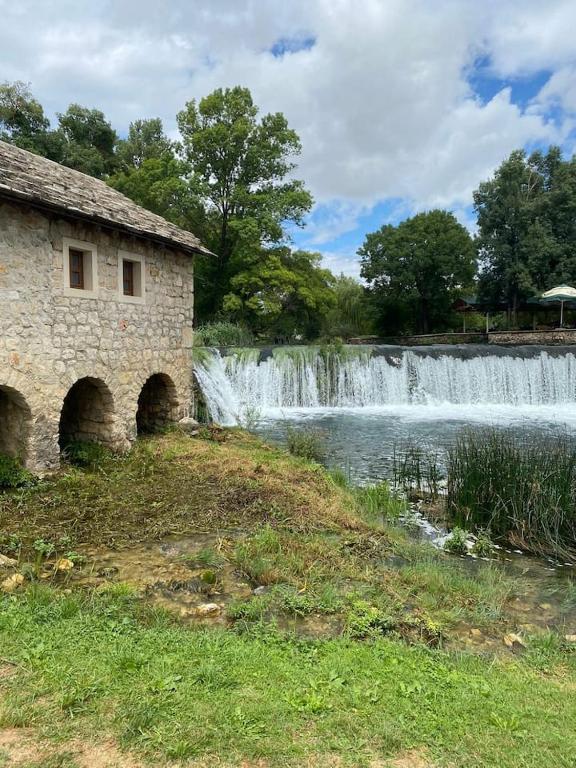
(15,417)
(157,405)
(87,414)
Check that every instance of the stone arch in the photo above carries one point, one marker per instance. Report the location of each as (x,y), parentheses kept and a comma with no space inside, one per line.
(15,423)
(157,404)
(87,414)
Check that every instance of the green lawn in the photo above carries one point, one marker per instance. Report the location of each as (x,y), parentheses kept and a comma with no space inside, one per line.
(103,664)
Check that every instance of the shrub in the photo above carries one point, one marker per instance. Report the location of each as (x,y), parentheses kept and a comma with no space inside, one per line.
(483,546)
(456,542)
(306,443)
(522,488)
(223,334)
(12,473)
(85,454)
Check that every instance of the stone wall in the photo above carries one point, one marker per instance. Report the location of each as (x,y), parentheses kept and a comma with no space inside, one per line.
(562,336)
(50,340)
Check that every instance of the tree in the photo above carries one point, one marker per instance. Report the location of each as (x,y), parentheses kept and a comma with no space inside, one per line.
(350,315)
(417,268)
(89,141)
(22,118)
(527,227)
(151,174)
(240,166)
(145,141)
(283,293)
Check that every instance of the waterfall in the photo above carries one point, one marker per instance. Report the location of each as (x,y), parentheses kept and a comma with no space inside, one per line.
(355,377)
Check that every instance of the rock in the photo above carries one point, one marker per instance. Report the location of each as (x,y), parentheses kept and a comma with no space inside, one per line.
(64,565)
(260,590)
(514,641)
(189,425)
(7,562)
(570,638)
(12,583)
(207,609)
(475,632)
(107,572)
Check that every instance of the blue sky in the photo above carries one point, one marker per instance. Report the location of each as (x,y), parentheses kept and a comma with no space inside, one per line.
(401,105)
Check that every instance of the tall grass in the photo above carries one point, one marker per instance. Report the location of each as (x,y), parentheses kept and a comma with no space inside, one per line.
(306,443)
(417,471)
(523,489)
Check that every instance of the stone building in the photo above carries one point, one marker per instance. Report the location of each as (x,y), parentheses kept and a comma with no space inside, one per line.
(96,309)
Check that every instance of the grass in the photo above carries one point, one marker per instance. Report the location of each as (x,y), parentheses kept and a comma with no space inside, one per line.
(521,490)
(387,674)
(306,443)
(174,484)
(99,663)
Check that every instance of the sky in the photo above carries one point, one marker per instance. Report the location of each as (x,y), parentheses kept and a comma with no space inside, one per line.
(401,105)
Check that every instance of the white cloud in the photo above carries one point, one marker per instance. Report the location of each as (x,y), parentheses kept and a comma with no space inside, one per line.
(381,101)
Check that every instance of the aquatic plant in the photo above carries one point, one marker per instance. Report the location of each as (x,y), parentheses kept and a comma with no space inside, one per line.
(416,470)
(456,542)
(523,489)
(306,443)
(378,503)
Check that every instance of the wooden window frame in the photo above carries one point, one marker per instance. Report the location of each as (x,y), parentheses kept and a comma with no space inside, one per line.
(138,277)
(89,269)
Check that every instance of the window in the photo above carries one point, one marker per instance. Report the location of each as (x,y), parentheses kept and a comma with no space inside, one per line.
(80,269)
(76,268)
(128,267)
(131,277)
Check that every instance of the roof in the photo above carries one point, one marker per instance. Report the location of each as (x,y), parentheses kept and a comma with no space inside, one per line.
(53,187)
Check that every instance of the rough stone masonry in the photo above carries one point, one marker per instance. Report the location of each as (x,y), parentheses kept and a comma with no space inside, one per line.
(91,348)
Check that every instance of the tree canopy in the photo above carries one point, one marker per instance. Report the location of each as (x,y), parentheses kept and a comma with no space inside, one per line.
(415,270)
(527,226)
(241,170)
(230,178)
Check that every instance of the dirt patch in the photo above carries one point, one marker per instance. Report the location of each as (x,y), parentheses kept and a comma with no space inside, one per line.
(414,758)
(20,748)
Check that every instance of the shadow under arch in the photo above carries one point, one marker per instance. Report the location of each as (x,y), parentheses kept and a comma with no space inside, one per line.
(15,423)
(157,405)
(87,414)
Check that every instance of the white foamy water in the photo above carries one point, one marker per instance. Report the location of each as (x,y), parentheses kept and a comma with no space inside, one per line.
(412,386)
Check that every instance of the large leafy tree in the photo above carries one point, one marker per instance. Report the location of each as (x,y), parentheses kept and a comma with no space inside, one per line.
(282,292)
(241,168)
(415,270)
(153,175)
(526,227)
(89,141)
(350,314)
(23,122)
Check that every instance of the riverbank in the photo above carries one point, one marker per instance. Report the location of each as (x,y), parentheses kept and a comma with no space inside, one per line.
(332,640)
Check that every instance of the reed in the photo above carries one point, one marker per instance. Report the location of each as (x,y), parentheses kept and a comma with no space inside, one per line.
(417,471)
(522,490)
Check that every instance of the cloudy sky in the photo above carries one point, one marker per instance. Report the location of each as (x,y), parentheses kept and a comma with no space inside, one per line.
(401,105)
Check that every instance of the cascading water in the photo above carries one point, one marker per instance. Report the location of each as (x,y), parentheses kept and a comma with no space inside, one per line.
(357,377)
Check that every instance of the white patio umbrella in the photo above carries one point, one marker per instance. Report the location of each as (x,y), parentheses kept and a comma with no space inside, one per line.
(562,293)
